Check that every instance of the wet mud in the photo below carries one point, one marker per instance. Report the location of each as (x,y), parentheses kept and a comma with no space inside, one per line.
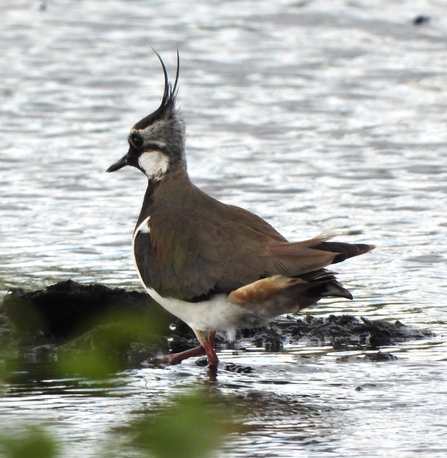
(42,324)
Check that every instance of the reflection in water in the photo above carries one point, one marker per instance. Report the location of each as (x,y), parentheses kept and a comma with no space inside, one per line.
(310,407)
(318,116)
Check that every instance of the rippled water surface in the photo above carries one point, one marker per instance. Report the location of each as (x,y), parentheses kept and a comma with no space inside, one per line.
(316,115)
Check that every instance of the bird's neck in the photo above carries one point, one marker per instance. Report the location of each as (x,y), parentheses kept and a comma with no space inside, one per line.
(170,185)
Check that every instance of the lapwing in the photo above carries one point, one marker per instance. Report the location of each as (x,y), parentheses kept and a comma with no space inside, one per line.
(215,266)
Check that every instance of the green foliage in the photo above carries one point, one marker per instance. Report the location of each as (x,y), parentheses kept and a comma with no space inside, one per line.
(8,359)
(193,426)
(31,443)
(190,426)
(107,348)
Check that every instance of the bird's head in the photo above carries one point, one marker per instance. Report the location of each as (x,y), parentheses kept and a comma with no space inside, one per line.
(157,142)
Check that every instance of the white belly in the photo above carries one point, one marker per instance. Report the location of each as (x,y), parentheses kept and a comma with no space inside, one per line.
(215,314)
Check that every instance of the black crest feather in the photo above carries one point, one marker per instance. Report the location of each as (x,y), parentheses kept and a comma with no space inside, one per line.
(169,96)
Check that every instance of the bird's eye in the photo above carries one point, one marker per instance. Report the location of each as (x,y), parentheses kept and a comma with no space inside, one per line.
(136,140)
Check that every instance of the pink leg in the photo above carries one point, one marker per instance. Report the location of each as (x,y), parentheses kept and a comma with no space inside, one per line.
(207,341)
(177,358)
(208,345)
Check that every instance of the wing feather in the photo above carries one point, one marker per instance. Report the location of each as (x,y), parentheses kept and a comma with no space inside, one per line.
(200,245)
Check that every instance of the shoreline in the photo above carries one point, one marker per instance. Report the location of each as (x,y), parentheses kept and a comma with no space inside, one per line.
(43,325)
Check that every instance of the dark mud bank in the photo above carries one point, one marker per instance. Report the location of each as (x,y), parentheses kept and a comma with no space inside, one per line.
(128,324)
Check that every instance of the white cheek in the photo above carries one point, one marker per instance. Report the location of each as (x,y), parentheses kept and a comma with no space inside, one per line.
(154,164)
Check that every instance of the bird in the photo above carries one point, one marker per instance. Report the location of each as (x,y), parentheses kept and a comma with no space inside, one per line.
(215,266)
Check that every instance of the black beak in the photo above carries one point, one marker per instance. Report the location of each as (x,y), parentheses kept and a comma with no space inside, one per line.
(119,164)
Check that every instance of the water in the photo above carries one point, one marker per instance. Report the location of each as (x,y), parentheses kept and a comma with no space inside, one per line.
(318,116)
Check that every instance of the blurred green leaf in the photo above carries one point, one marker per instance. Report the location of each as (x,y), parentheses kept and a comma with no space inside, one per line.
(109,347)
(31,443)
(193,426)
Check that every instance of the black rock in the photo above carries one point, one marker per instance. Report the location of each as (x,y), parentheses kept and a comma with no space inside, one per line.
(380,356)
(68,308)
(231,367)
(383,332)
(374,357)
